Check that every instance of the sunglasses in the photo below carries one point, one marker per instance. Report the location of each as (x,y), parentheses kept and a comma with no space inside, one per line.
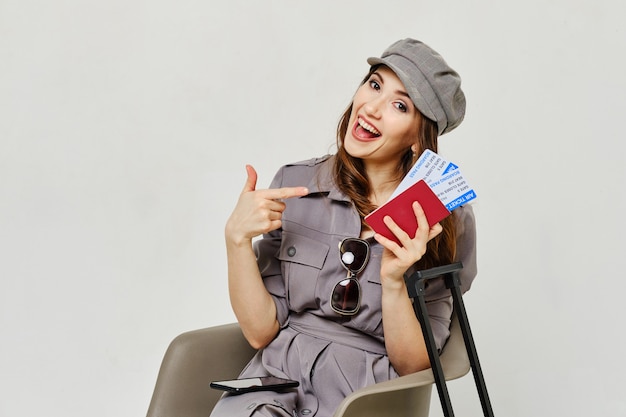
(346,296)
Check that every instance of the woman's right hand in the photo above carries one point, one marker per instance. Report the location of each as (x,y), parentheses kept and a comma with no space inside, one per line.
(258,211)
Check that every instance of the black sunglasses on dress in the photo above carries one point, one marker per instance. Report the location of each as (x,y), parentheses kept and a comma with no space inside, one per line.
(346,296)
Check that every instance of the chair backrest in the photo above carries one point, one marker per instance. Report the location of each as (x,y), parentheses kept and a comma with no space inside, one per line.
(454,358)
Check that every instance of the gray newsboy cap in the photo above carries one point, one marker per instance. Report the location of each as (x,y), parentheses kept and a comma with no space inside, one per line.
(434,87)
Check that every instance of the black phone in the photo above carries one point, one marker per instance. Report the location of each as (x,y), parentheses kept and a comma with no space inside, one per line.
(263,383)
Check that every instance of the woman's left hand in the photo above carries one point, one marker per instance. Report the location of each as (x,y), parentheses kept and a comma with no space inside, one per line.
(398,258)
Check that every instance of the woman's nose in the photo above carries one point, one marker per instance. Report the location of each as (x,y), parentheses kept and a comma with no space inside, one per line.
(373,107)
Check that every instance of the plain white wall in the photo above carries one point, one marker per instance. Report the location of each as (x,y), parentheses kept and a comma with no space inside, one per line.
(125,127)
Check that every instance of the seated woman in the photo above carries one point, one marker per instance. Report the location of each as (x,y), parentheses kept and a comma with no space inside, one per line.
(289,289)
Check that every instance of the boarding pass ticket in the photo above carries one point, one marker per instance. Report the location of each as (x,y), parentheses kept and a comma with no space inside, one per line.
(443,177)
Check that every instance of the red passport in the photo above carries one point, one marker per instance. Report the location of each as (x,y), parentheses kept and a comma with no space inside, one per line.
(400,209)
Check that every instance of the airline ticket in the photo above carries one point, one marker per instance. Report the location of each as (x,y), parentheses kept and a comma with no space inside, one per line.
(442,176)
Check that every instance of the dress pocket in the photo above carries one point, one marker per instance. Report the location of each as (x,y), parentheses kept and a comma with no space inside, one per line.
(369,318)
(301,258)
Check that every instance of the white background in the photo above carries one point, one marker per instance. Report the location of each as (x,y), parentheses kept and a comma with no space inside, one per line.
(125,127)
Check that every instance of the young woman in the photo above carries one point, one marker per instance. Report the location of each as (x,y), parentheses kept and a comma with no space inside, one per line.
(289,289)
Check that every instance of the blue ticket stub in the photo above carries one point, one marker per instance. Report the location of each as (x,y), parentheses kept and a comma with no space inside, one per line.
(442,176)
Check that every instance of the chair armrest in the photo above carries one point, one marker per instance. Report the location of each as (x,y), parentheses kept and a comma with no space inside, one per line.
(408,395)
(192,360)
(405,396)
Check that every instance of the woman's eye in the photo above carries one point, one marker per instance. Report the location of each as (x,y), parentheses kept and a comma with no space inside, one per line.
(402,107)
(374,84)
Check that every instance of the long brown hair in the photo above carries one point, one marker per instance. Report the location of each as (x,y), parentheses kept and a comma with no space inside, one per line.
(352,180)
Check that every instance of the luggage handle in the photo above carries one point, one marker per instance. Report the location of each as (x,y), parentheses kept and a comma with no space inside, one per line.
(416,287)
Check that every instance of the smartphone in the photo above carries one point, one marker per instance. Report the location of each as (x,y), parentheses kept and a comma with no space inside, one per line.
(263,383)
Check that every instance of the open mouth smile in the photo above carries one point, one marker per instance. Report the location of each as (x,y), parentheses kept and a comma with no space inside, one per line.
(365,131)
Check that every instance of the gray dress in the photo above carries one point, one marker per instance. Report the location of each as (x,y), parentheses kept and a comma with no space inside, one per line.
(331,355)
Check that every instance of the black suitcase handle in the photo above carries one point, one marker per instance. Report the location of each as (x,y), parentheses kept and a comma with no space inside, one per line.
(415,285)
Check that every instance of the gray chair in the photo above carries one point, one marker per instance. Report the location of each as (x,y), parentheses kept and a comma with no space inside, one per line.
(195,358)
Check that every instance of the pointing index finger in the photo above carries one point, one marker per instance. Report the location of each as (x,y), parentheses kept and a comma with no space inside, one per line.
(287,192)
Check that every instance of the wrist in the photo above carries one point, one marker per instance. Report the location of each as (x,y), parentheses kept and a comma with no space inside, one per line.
(392,286)
(236,241)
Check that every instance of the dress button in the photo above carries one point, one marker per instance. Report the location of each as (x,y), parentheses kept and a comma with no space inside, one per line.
(305,412)
(251,406)
(291,251)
